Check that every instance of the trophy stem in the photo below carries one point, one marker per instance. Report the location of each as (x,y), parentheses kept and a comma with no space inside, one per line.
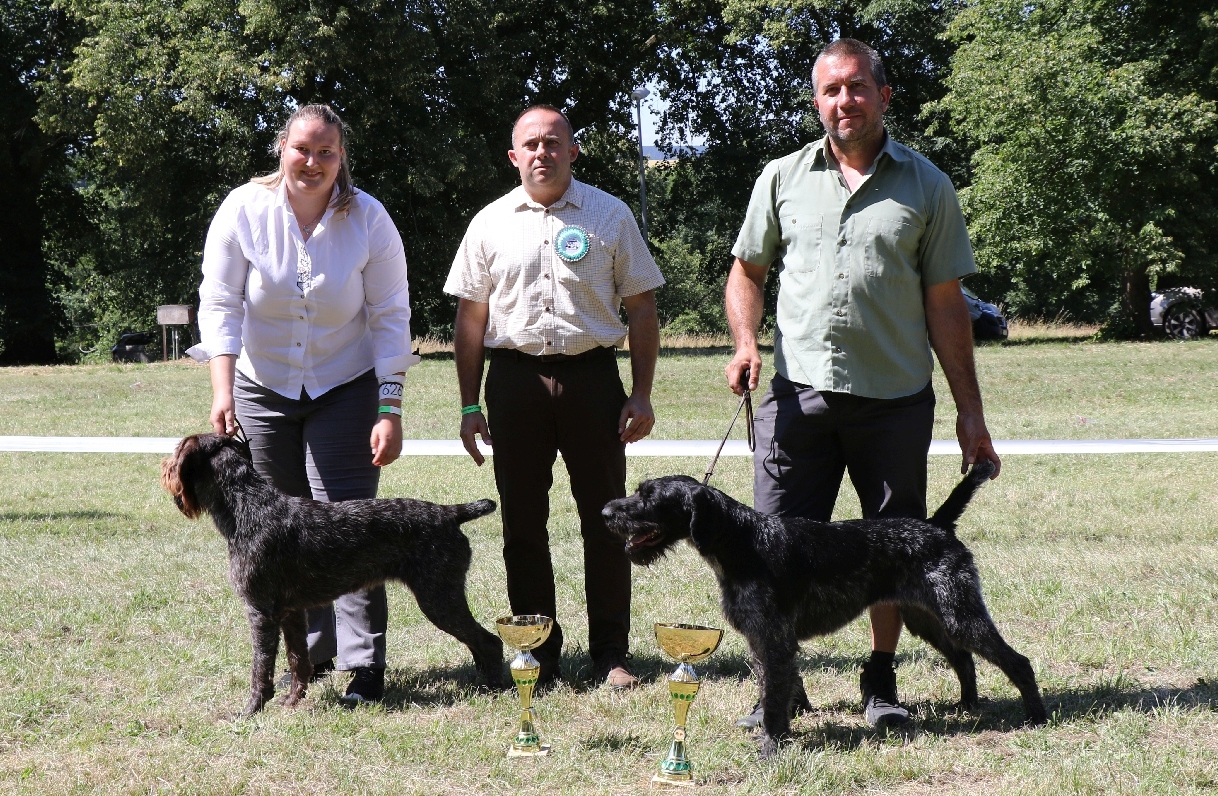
(525,671)
(683,686)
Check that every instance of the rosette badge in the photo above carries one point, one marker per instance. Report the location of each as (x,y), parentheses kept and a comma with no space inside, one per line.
(571,243)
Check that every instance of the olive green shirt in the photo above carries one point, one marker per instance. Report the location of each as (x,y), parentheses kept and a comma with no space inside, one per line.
(851,316)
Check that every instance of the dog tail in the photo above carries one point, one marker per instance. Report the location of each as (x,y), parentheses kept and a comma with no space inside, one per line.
(472,511)
(958,500)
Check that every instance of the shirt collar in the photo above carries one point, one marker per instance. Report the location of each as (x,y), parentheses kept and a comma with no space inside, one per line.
(574,195)
(820,155)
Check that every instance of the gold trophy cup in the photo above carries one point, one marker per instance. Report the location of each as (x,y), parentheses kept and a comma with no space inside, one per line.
(525,633)
(687,644)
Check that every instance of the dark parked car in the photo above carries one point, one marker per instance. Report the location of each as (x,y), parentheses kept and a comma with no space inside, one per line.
(1184,313)
(132,347)
(988,321)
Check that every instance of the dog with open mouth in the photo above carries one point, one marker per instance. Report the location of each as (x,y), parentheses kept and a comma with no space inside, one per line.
(784,579)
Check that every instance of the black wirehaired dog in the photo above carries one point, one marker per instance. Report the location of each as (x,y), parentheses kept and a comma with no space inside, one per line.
(287,554)
(784,579)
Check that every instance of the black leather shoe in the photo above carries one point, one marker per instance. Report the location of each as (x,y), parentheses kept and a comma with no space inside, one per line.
(880,704)
(753,720)
(368,685)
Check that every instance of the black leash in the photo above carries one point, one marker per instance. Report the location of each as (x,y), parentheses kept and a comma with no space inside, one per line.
(746,400)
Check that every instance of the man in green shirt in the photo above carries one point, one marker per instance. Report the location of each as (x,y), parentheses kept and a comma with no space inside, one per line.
(872,247)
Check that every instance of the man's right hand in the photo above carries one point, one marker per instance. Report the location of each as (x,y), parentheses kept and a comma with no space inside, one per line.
(745,360)
(472,424)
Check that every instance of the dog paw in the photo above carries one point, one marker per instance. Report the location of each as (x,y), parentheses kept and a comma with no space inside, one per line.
(767,745)
(1036,719)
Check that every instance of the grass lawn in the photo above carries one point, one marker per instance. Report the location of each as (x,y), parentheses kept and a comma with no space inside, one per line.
(124,653)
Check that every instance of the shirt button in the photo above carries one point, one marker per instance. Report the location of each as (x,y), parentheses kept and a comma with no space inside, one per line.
(545,276)
(548,309)
(839,313)
(545,243)
(841,276)
(842,242)
(549,343)
(298,345)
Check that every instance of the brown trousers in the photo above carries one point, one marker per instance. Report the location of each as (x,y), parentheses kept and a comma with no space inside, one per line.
(535,410)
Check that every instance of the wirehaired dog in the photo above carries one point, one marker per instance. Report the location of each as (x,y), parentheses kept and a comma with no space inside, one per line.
(288,554)
(786,579)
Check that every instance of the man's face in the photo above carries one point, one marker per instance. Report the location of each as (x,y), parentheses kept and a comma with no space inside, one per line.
(850,103)
(542,151)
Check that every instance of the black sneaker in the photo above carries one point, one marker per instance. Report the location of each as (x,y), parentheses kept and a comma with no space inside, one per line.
(368,685)
(320,671)
(880,704)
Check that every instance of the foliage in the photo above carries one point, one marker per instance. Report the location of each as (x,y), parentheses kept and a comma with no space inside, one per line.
(1095,126)
(177,102)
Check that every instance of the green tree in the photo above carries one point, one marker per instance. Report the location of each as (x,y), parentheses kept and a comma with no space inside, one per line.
(1095,128)
(737,76)
(176,102)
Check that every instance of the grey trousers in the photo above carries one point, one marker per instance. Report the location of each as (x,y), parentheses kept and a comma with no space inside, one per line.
(319,448)
(807,439)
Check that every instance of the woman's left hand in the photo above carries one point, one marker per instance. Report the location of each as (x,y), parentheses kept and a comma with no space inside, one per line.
(386,440)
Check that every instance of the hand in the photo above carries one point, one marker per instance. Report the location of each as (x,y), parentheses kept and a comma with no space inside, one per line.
(975,443)
(637,418)
(471,424)
(223,418)
(745,359)
(386,440)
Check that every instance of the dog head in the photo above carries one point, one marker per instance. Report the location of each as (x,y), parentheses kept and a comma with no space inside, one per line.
(190,471)
(663,512)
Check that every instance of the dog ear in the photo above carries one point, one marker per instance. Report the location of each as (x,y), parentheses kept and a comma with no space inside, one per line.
(175,476)
(705,517)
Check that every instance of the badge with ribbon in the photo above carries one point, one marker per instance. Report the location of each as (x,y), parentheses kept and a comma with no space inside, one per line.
(571,243)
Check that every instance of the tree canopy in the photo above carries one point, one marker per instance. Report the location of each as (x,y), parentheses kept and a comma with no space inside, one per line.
(1081,134)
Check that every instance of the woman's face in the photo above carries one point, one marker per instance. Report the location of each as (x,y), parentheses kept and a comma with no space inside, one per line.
(312,156)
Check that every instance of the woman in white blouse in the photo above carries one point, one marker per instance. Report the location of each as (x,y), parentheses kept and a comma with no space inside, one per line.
(305,317)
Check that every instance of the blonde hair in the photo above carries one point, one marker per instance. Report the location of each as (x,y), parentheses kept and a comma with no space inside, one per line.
(325,114)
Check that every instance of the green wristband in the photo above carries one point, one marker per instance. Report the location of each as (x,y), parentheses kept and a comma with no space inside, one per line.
(389,410)
(469,410)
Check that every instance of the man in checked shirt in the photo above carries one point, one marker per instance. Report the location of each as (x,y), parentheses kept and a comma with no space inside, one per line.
(540,277)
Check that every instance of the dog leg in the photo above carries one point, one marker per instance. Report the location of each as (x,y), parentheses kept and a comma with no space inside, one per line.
(295,643)
(445,605)
(969,625)
(774,654)
(264,632)
(926,626)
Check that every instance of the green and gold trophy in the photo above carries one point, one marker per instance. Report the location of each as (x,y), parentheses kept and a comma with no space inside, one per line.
(687,644)
(525,633)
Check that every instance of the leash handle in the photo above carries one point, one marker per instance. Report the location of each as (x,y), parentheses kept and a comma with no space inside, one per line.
(746,401)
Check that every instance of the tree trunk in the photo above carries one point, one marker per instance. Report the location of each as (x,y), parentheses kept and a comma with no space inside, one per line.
(1135,299)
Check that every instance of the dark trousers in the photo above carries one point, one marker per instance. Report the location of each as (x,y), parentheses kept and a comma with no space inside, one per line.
(536,410)
(807,439)
(318,448)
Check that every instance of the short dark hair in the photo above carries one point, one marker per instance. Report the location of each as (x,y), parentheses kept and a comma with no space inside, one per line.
(543,107)
(856,48)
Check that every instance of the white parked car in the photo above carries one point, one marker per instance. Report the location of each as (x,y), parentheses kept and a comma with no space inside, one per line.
(1183,313)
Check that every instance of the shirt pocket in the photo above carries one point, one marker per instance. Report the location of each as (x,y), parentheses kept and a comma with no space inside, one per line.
(891,249)
(801,236)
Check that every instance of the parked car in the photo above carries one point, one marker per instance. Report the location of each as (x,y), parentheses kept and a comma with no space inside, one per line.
(988,321)
(132,347)
(1183,313)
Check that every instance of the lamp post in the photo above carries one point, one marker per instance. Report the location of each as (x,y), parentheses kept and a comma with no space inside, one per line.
(638,95)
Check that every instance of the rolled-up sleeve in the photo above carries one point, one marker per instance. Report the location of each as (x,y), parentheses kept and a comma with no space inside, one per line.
(222,293)
(387,297)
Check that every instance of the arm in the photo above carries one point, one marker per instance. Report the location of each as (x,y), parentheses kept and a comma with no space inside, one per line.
(743,300)
(638,418)
(223,372)
(468,350)
(951,335)
(386,438)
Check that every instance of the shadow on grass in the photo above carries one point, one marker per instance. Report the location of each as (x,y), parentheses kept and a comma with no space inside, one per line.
(823,729)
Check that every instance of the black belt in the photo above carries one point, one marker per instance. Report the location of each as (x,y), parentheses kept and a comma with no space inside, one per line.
(513,353)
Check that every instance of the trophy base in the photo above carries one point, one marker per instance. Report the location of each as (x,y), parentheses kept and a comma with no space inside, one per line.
(683,780)
(540,751)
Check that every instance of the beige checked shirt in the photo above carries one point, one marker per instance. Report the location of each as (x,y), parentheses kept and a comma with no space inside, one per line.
(539,302)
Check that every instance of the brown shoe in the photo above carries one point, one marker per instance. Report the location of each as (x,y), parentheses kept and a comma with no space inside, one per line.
(620,679)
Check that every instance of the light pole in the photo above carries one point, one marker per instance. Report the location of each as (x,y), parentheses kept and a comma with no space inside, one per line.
(638,95)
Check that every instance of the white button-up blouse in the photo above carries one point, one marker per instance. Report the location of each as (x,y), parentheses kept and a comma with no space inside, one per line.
(299,314)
